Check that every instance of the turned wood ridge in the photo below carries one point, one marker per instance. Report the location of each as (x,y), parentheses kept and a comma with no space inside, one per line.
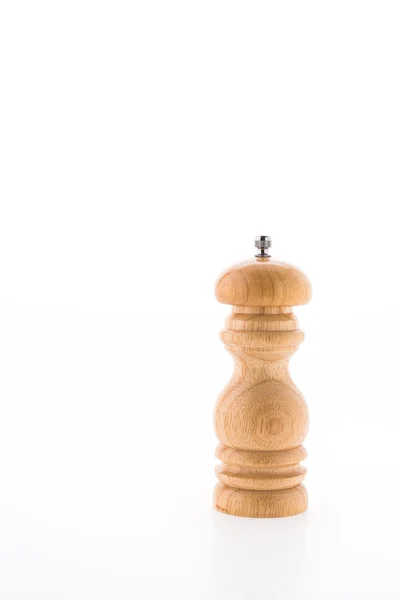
(261,418)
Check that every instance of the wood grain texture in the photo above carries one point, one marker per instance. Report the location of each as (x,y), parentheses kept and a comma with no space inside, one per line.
(261,418)
(263,282)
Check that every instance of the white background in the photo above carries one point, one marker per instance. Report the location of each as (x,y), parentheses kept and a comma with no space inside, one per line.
(143,145)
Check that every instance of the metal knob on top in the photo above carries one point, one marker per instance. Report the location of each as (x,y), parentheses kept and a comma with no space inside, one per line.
(263,243)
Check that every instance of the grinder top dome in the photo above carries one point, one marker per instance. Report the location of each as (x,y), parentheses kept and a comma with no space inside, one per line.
(262,281)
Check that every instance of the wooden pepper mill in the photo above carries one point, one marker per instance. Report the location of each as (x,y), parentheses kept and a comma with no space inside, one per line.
(261,418)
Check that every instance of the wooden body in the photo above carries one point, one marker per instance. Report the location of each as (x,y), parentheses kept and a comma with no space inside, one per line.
(261,418)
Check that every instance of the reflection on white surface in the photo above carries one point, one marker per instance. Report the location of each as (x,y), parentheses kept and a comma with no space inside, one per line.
(259,558)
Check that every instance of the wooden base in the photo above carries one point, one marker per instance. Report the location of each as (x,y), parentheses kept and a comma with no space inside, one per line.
(258,504)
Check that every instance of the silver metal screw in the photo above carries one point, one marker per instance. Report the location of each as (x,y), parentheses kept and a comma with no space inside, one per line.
(263,243)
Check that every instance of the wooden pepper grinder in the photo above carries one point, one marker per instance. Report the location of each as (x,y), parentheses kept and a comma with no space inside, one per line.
(261,418)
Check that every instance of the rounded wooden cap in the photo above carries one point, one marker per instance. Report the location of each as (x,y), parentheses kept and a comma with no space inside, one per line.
(263,281)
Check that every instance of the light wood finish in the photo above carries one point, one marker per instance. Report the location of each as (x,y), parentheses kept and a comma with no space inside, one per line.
(261,418)
(263,282)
